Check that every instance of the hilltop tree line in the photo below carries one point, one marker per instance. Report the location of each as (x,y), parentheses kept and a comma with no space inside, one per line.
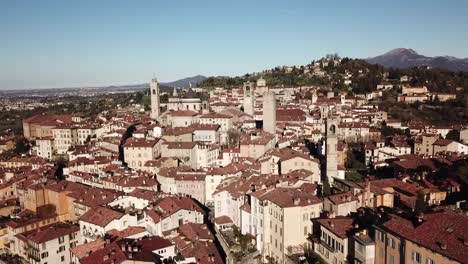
(364,77)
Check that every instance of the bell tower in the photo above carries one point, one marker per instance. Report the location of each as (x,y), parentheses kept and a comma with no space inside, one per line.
(249,98)
(331,150)
(154,93)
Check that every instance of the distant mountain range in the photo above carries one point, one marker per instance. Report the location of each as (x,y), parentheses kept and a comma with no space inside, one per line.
(164,86)
(407,58)
(185,82)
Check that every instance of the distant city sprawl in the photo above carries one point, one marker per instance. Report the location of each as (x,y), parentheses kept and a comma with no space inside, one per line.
(337,161)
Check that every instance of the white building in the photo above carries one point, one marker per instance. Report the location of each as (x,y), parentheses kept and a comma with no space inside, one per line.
(281,220)
(171,213)
(45,148)
(334,242)
(50,244)
(96,223)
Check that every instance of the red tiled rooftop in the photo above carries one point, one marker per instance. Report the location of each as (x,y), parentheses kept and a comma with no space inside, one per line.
(440,229)
(140,143)
(340,226)
(50,232)
(101,216)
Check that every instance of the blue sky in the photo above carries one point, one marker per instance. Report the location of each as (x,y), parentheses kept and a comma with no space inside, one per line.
(46,44)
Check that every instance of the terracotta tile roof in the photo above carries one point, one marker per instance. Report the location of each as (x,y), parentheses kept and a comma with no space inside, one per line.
(195,231)
(65,186)
(92,197)
(291,197)
(167,206)
(48,120)
(183,113)
(342,198)
(340,226)
(9,202)
(290,115)
(144,194)
(195,240)
(110,254)
(27,217)
(242,185)
(215,116)
(442,142)
(139,181)
(285,154)
(127,232)
(50,232)
(83,250)
(101,216)
(444,232)
(180,145)
(159,162)
(203,252)
(223,220)
(414,163)
(90,161)
(233,111)
(262,138)
(231,150)
(140,143)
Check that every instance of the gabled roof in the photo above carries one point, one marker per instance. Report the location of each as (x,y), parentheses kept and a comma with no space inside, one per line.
(50,232)
(101,216)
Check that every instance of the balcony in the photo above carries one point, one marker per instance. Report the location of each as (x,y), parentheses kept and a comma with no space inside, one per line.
(89,235)
(33,253)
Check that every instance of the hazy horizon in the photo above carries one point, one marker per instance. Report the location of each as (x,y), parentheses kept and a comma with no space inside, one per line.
(55,44)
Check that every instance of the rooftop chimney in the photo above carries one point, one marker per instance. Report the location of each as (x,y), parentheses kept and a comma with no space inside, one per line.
(443,245)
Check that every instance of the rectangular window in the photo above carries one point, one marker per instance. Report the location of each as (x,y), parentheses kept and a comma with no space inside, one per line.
(416,257)
(44,255)
(430,261)
(380,235)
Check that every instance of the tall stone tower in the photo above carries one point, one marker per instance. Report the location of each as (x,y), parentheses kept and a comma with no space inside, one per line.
(331,151)
(154,92)
(269,112)
(324,112)
(249,98)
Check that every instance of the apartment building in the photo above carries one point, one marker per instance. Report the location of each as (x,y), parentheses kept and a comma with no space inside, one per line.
(137,151)
(435,237)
